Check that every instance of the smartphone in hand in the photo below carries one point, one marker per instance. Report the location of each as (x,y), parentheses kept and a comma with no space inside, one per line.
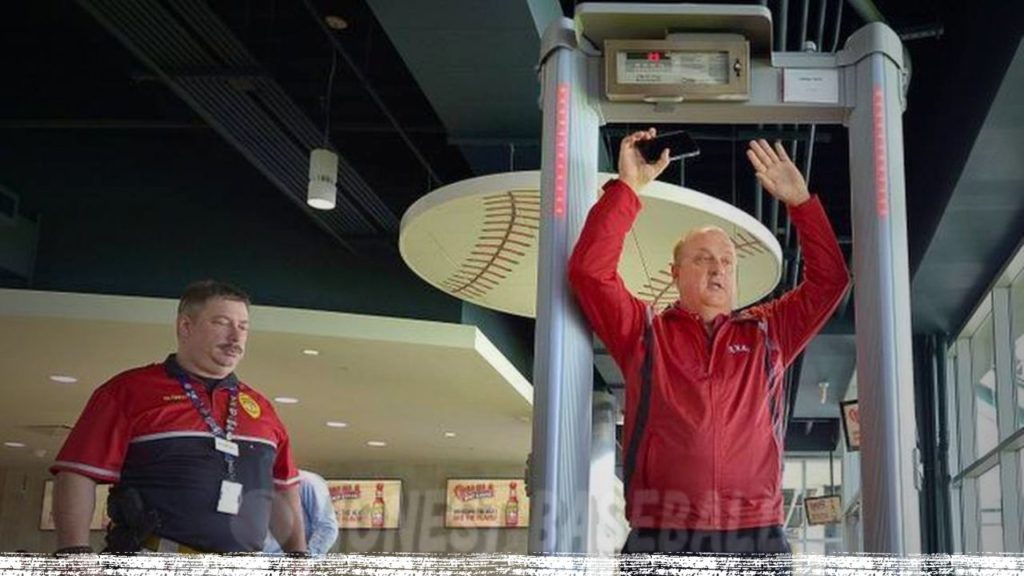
(679,144)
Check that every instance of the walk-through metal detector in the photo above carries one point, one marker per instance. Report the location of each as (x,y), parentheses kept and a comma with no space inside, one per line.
(618,63)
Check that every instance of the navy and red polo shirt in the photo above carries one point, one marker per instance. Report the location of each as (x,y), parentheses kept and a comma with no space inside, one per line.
(140,430)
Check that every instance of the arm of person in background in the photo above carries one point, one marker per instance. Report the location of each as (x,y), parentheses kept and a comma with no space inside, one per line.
(614,314)
(74,501)
(286,519)
(799,314)
(323,529)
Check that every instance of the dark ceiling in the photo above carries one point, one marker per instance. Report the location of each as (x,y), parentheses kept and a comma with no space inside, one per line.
(151,142)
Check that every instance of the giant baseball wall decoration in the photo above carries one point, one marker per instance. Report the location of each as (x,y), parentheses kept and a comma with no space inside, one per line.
(477,240)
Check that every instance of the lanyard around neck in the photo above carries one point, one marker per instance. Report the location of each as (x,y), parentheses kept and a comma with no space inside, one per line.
(232,420)
(229,425)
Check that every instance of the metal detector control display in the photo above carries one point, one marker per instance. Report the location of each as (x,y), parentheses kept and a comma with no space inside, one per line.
(673,67)
(701,67)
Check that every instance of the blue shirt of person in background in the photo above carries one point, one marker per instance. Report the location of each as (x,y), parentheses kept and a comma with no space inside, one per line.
(317,513)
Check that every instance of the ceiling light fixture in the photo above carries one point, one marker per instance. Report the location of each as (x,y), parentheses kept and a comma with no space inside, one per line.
(322,191)
(311,352)
(63,379)
(336,424)
(14,444)
(376,443)
(449,434)
(286,400)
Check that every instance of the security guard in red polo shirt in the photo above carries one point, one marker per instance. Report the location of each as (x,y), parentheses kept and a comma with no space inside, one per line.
(200,461)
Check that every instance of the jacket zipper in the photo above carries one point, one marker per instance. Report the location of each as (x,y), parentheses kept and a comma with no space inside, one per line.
(715,425)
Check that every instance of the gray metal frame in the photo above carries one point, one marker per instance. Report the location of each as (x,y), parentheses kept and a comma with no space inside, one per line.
(871,103)
(882,293)
(564,356)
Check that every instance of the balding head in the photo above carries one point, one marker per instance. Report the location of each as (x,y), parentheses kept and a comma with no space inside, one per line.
(704,271)
(695,233)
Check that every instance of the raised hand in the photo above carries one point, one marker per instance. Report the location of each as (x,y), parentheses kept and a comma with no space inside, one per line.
(633,169)
(777,173)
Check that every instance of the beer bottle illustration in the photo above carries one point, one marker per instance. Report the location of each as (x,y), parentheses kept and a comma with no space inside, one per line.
(377,509)
(512,507)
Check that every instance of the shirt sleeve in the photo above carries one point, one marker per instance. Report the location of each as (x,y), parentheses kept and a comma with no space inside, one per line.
(800,313)
(322,524)
(97,444)
(613,312)
(286,474)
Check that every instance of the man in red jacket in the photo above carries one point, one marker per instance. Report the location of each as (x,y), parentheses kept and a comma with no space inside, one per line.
(704,387)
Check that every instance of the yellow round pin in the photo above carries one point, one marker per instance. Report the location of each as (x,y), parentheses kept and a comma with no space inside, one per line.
(249,405)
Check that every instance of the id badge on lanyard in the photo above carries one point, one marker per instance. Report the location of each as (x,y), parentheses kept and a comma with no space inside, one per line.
(225,446)
(230,499)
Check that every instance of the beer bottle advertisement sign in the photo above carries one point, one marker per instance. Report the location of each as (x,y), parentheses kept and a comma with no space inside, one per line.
(486,503)
(369,504)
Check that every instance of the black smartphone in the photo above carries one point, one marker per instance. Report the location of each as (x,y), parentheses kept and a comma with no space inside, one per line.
(679,144)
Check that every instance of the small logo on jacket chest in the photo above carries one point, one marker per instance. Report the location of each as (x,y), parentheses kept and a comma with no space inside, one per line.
(738,348)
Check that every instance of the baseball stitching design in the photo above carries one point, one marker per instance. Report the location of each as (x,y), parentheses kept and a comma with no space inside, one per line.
(510,227)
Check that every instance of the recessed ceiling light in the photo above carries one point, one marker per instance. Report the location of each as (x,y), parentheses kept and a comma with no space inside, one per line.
(63,379)
(449,434)
(376,443)
(336,424)
(336,22)
(286,400)
(311,352)
(14,444)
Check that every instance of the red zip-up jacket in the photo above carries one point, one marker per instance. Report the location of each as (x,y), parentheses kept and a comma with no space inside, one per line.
(710,457)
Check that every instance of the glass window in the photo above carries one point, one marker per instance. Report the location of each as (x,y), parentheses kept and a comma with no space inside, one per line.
(952,414)
(1020,472)
(956,519)
(810,477)
(819,480)
(1017,327)
(983,377)
(815,547)
(990,509)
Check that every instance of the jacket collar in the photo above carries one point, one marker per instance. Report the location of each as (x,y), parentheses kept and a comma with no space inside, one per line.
(676,309)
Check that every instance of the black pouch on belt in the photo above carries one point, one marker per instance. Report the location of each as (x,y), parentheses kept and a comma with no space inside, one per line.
(130,522)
